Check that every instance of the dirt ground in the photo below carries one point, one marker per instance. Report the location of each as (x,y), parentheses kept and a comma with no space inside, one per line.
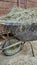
(24,57)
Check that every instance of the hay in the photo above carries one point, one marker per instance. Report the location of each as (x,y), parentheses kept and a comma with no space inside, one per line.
(23,15)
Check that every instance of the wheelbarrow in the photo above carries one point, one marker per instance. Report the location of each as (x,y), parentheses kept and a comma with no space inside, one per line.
(22,32)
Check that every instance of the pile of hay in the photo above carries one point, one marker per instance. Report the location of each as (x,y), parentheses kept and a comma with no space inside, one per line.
(23,15)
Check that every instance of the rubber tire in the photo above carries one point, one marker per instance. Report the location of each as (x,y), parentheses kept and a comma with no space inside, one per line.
(8,52)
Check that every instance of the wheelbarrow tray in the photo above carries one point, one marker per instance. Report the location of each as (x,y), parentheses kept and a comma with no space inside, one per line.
(24,31)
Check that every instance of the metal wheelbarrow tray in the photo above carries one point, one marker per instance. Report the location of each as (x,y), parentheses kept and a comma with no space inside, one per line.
(23,31)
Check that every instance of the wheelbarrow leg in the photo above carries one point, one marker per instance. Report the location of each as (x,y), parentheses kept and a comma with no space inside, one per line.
(32,49)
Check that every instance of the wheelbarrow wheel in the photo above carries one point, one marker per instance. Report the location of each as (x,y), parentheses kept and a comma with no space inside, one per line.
(12,50)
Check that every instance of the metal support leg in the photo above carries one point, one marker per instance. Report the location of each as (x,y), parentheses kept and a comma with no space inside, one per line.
(32,49)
